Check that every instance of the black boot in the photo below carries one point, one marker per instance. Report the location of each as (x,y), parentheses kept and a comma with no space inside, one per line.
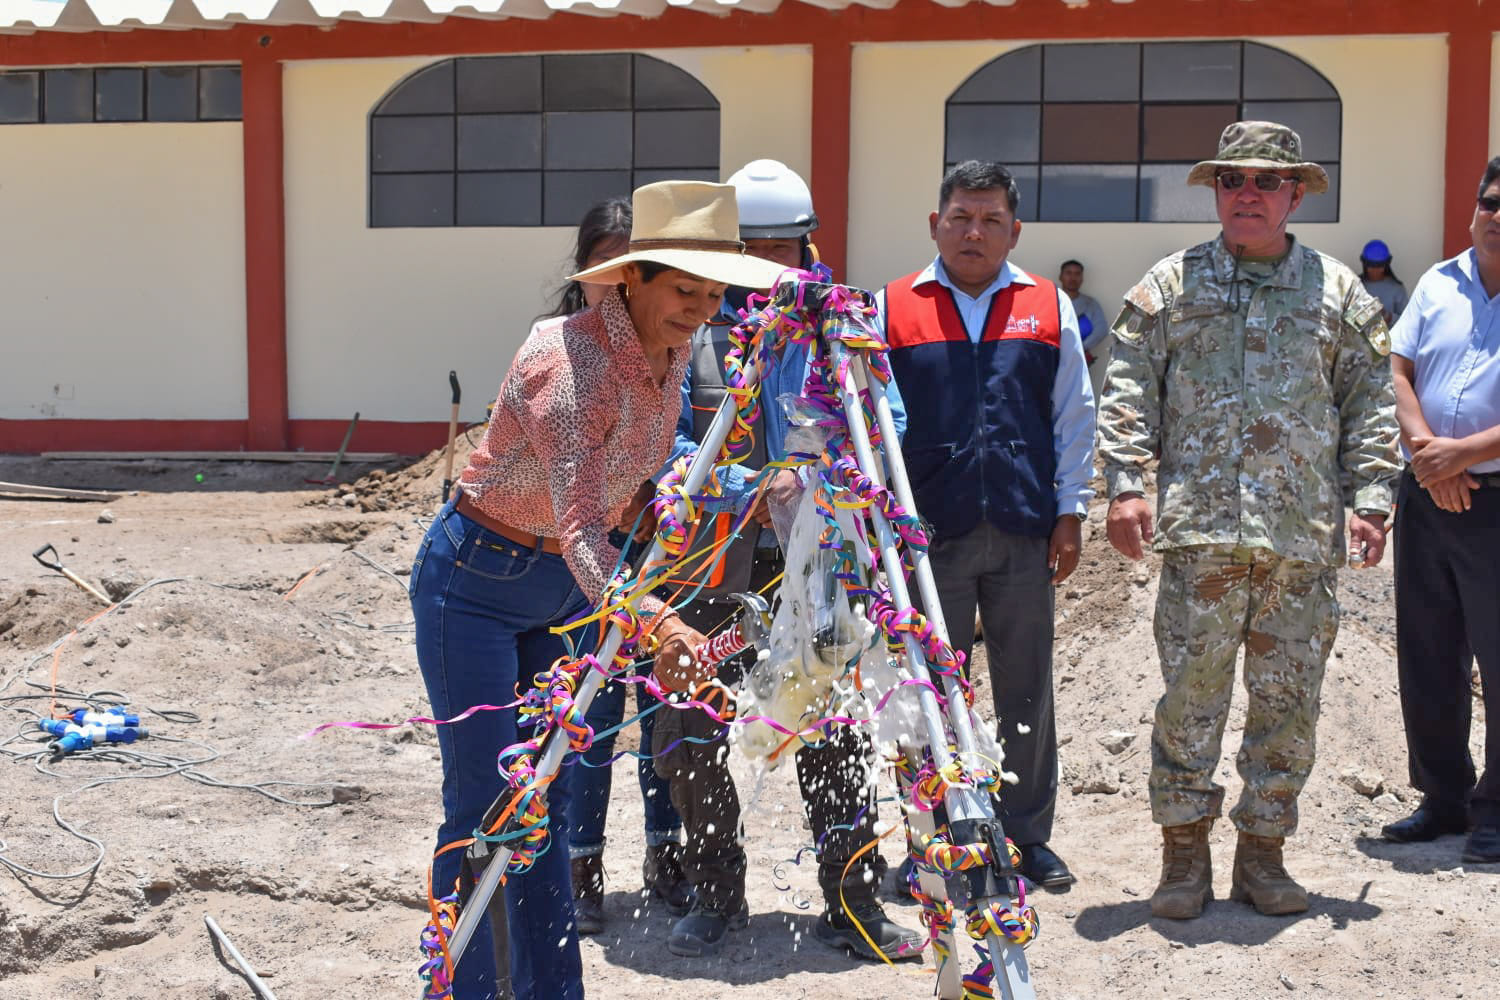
(703,930)
(662,875)
(842,920)
(588,894)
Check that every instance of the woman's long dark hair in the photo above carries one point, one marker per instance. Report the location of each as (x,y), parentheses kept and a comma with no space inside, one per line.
(609,219)
(1390,272)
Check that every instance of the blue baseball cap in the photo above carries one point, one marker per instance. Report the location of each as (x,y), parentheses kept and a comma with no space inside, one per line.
(1376,252)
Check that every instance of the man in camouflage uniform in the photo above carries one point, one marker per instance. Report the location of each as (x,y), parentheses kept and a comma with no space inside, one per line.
(1253,367)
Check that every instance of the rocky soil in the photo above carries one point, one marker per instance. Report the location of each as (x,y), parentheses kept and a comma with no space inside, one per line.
(311,853)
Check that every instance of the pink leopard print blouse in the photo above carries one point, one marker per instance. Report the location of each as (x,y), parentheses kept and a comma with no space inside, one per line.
(579,424)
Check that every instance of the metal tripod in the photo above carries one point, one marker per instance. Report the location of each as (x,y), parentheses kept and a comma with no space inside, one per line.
(969,810)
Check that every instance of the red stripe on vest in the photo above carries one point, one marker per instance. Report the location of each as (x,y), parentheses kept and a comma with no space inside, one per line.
(926,314)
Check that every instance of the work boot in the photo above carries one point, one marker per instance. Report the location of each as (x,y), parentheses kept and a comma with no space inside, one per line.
(702,932)
(840,928)
(1261,879)
(662,875)
(588,894)
(1187,877)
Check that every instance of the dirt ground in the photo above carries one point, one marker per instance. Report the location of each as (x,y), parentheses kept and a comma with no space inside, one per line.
(322,889)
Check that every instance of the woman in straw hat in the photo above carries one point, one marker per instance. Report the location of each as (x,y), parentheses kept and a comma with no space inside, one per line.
(585,414)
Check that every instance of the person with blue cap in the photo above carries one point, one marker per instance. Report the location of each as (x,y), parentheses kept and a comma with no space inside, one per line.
(1380,280)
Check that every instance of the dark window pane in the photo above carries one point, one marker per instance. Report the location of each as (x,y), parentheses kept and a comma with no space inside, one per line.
(1317,122)
(1166,197)
(428,91)
(500,83)
(1108,72)
(418,143)
(411,200)
(1003,132)
(172,94)
(119,95)
(571,192)
(69,95)
(587,140)
(652,176)
(587,83)
(1015,76)
(219,94)
(1192,71)
(509,199)
(659,84)
(1090,133)
(1271,73)
(1088,194)
(676,138)
(499,142)
(1185,131)
(19,94)
(1321,207)
(1026,185)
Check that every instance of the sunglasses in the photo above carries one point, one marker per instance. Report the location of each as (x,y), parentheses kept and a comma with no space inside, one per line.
(1233,180)
(1490,203)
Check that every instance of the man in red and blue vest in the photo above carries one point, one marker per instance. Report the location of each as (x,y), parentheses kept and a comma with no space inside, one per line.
(999,447)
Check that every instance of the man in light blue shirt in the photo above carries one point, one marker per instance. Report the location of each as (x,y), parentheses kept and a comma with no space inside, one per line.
(1445,365)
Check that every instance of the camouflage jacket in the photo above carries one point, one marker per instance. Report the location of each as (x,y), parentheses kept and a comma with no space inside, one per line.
(1268,419)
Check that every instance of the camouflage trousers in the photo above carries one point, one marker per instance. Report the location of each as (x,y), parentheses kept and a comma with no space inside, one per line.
(1214,600)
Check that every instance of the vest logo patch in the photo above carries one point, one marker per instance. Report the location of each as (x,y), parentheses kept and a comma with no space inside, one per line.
(1023,324)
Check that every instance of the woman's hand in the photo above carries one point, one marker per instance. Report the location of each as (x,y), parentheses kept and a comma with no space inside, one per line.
(678,643)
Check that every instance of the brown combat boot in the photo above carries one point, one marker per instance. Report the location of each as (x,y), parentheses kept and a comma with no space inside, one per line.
(1187,878)
(588,894)
(662,874)
(1260,878)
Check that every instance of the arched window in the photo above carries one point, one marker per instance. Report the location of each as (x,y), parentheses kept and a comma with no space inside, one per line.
(1107,132)
(534,140)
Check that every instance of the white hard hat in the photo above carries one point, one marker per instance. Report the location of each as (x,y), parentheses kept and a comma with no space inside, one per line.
(774,202)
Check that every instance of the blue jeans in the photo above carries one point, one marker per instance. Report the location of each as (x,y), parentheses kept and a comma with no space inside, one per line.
(483,607)
(591,782)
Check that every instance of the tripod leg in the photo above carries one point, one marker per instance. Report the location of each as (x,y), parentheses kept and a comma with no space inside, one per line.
(920,827)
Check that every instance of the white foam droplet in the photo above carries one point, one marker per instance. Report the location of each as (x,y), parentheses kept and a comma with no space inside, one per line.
(684,661)
(1022,727)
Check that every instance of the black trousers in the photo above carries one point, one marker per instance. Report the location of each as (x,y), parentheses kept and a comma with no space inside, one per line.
(1448,615)
(832,777)
(1006,578)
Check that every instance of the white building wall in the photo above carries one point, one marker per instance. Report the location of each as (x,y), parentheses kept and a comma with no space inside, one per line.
(377,317)
(1393,89)
(1494,101)
(122,271)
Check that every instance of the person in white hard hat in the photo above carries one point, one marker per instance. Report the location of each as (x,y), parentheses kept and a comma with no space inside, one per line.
(776,220)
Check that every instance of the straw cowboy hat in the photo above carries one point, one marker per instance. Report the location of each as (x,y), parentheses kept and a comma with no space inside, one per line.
(1261,146)
(692,226)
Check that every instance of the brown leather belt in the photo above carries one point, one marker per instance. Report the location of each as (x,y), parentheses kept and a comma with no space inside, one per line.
(517,537)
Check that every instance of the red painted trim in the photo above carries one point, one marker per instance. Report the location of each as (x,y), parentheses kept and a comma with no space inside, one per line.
(265,255)
(28,437)
(833,65)
(416,438)
(792,23)
(1468,139)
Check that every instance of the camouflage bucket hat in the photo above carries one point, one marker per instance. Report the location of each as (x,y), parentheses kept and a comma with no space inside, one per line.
(1261,146)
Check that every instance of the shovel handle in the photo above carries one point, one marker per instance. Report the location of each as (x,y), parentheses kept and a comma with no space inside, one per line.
(55,564)
(453,381)
(85,586)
